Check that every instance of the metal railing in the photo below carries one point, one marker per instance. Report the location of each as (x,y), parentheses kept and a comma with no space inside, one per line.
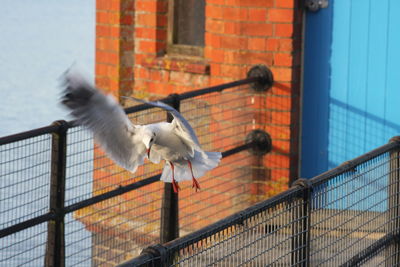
(348,216)
(48,194)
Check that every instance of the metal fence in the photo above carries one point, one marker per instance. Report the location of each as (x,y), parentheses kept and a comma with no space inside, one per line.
(64,203)
(348,216)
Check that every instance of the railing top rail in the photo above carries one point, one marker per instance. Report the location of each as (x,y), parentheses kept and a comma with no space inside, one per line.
(234,219)
(54,128)
(351,164)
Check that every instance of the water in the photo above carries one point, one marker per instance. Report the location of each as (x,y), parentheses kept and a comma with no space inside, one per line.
(39,40)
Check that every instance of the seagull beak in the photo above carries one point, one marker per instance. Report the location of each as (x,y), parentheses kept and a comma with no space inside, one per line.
(148,152)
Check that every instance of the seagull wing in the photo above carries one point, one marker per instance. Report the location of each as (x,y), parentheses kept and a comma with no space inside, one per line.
(181,127)
(106,119)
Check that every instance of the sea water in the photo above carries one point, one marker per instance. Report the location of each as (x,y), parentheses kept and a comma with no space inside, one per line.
(39,40)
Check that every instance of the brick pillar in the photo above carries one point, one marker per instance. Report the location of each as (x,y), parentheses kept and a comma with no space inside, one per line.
(241,33)
(131,59)
(115,45)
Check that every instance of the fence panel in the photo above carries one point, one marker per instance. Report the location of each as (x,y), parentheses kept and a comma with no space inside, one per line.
(350,212)
(24,194)
(348,216)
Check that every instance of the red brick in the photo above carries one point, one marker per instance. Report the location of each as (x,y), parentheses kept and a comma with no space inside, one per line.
(153,6)
(212,40)
(257,44)
(279,132)
(216,55)
(272,44)
(283,30)
(273,160)
(283,59)
(285,45)
(108,5)
(282,74)
(284,3)
(107,57)
(215,70)
(234,13)
(280,15)
(127,46)
(215,26)
(252,3)
(233,71)
(280,175)
(215,12)
(151,33)
(281,146)
(126,6)
(161,20)
(107,44)
(256,29)
(279,103)
(233,42)
(217,2)
(284,89)
(147,20)
(231,27)
(107,31)
(281,117)
(149,6)
(107,70)
(260,58)
(105,17)
(257,14)
(127,19)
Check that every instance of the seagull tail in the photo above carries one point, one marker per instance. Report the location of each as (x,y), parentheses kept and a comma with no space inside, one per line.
(200,165)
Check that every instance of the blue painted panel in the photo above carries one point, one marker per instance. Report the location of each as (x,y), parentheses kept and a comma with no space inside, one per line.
(315,95)
(351,89)
(351,83)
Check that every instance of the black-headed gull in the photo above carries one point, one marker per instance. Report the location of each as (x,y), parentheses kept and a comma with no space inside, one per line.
(128,144)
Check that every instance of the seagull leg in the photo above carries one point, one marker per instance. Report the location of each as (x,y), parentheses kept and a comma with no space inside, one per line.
(195,183)
(175,185)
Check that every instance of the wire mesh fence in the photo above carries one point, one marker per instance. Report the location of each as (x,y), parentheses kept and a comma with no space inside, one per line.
(348,216)
(63,200)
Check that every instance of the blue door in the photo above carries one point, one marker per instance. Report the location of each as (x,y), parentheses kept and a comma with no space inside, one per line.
(351,90)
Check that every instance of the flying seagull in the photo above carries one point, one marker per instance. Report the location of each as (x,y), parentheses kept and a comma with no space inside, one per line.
(129,144)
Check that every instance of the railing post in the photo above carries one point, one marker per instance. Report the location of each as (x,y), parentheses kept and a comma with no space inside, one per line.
(301,226)
(55,247)
(393,250)
(169,228)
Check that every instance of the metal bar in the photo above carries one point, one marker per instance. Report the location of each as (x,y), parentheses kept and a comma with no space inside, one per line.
(55,247)
(96,199)
(301,227)
(235,150)
(28,134)
(27,224)
(110,194)
(393,251)
(351,164)
(218,88)
(371,251)
(234,219)
(169,224)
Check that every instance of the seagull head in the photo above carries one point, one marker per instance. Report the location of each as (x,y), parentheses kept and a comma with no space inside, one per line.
(149,138)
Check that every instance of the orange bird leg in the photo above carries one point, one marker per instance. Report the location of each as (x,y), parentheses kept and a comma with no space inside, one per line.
(195,183)
(175,185)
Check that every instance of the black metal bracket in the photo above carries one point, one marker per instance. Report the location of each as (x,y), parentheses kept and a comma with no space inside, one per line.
(158,253)
(266,78)
(259,142)
(303,182)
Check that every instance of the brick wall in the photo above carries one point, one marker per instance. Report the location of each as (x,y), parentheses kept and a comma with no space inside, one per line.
(131,59)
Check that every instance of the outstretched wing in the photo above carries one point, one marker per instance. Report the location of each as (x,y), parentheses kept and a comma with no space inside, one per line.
(105,118)
(181,126)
